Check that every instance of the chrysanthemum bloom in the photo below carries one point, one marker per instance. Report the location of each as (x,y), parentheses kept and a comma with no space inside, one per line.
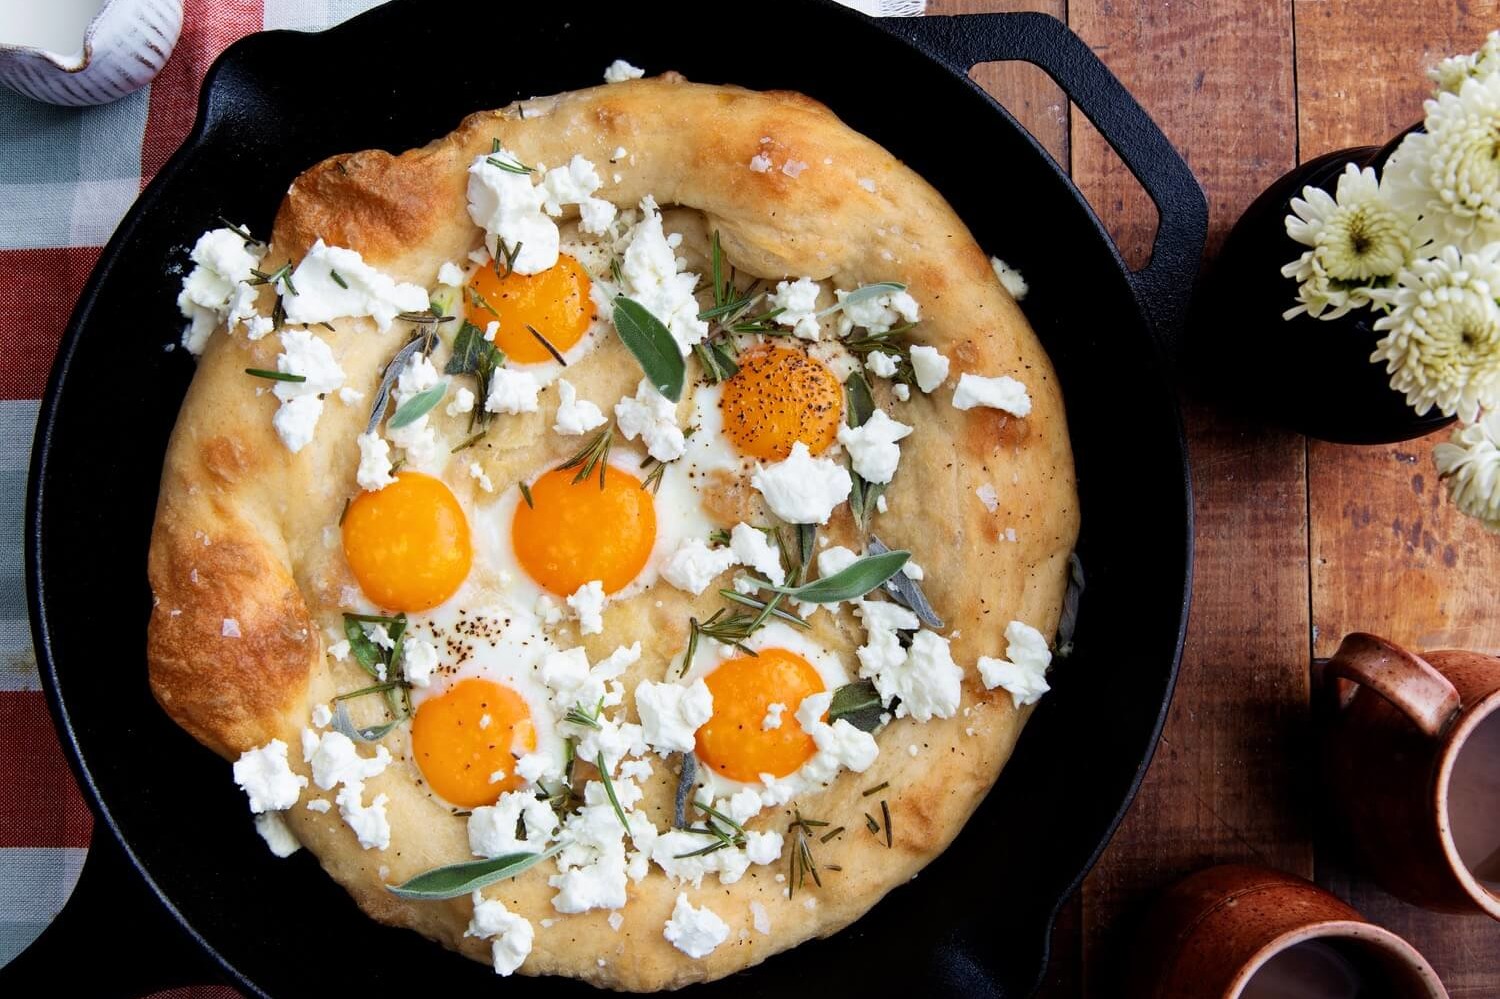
(1448,176)
(1451,73)
(1358,241)
(1470,466)
(1442,334)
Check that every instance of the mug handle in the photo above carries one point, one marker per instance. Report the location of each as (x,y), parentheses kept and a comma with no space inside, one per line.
(1403,678)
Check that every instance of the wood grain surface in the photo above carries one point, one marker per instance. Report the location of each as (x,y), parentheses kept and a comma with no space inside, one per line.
(1298,541)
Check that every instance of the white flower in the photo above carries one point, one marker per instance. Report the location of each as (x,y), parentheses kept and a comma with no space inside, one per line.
(1448,173)
(1470,464)
(1451,73)
(1357,238)
(1442,336)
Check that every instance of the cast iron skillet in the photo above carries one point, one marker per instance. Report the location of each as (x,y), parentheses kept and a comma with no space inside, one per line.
(977,921)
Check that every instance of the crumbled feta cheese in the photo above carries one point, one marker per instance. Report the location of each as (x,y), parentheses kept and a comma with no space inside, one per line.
(301,402)
(793,168)
(362,290)
(349,395)
(1024,673)
(297,420)
(671,714)
(369,822)
(273,829)
(587,604)
(490,329)
(322,715)
(547,611)
(511,935)
(802,489)
(508,207)
(882,651)
(694,565)
(901,391)
(835,559)
(879,313)
(575,416)
(695,932)
(216,287)
(463,402)
(772,720)
(492,828)
(479,475)
(652,277)
(619,154)
(760,163)
(988,496)
(335,760)
(619,71)
(512,391)
(1010,278)
(374,462)
(929,366)
(751,547)
(872,447)
(798,301)
(652,417)
(230,628)
(913,571)
(257,326)
(419,658)
(451,275)
(881,364)
(927,680)
(575,184)
(840,745)
(267,779)
(1002,392)
(593,867)
(759,917)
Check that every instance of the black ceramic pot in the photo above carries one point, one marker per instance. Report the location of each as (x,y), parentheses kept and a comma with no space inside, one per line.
(1310,375)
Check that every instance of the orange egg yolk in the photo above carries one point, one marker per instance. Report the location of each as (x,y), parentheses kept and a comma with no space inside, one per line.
(464,737)
(778,397)
(408,544)
(732,741)
(556,302)
(573,533)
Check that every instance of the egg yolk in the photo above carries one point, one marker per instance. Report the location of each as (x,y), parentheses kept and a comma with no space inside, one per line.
(464,737)
(408,544)
(732,741)
(573,533)
(556,302)
(778,397)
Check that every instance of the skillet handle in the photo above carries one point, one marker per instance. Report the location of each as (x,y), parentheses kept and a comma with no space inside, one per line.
(1164,285)
(110,941)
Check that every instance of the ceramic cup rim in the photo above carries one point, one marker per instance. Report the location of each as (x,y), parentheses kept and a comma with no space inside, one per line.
(67,63)
(1338,929)
(1453,743)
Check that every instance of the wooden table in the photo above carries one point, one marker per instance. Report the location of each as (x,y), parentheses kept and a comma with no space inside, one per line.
(1299,541)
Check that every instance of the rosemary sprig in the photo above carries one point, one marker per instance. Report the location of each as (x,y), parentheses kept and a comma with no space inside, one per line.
(801,858)
(734,629)
(556,354)
(509,166)
(468,442)
(241,232)
(871,824)
(506,254)
(479,301)
(736,596)
(876,789)
(609,789)
(275,376)
(526,494)
(578,716)
(594,454)
(894,342)
(282,274)
(338,279)
(885,813)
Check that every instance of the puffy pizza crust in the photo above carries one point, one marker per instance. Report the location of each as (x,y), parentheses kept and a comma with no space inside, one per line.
(244,529)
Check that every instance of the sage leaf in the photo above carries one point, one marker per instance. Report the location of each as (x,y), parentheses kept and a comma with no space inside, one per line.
(371,733)
(861,403)
(864,293)
(685,787)
(1071,598)
(388,379)
(653,346)
(366,652)
(905,591)
(850,583)
(461,879)
(472,353)
(418,406)
(859,704)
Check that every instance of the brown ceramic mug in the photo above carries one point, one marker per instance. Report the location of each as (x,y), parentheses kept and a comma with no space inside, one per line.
(1413,758)
(1240,932)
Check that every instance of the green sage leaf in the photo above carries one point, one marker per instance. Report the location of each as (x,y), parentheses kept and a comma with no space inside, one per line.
(366,652)
(906,592)
(861,403)
(370,733)
(850,583)
(858,703)
(864,293)
(472,353)
(461,879)
(418,406)
(653,346)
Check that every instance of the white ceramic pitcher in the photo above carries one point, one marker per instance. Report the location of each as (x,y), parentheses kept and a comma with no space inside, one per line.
(122,47)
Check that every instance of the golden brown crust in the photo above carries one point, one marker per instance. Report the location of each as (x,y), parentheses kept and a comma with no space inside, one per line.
(853,215)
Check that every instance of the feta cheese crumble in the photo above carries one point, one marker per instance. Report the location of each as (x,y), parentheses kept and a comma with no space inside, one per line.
(672,713)
(798,301)
(451,275)
(878,313)
(694,565)
(512,392)
(301,402)
(751,547)
(359,290)
(267,779)
(374,462)
(802,489)
(419,659)
(653,276)
(273,829)
(1001,392)
(493,828)
(511,935)
(928,681)
(463,402)
(872,447)
(652,417)
(619,71)
(587,604)
(508,207)
(575,416)
(695,932)
(216,288)
(772,720)
(1024,672)
(1010,278)
(929,366)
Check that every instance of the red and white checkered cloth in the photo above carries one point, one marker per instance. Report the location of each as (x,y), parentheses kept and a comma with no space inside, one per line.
(67,176)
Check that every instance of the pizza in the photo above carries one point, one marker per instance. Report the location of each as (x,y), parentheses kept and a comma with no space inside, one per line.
(620,539)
